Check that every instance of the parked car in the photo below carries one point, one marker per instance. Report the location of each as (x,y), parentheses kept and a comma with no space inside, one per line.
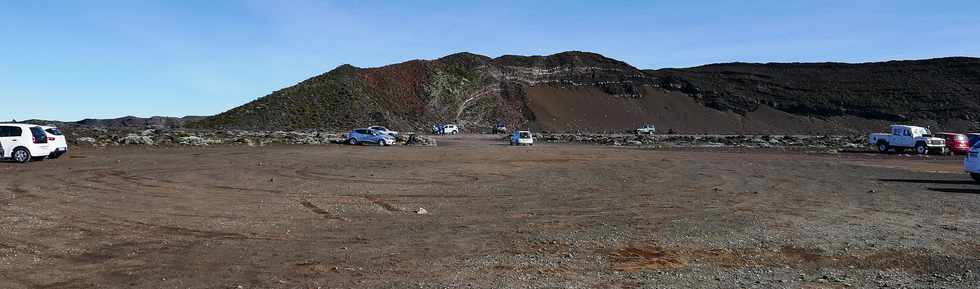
(57,141)
(23,142)
(971,164)
(366,135)
(384,130)
(521,138)
(647,129)
(450,129)
(956,143)
(907,137)
(973,137)
(500,129)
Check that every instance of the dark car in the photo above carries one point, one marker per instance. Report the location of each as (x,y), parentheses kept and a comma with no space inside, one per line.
(957,143)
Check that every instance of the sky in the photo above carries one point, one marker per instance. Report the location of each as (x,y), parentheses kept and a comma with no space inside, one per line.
(68,60)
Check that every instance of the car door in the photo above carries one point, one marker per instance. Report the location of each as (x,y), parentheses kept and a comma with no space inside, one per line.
(6,141)
(365,135)
(906,139)
(12,137)
(356,134)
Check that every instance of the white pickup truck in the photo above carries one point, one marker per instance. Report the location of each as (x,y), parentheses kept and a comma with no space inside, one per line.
(908,137)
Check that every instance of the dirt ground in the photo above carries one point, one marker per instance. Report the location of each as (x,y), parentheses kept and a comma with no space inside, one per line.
(546,216)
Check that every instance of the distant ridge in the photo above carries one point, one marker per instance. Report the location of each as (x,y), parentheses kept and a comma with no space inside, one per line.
(124,122)
(583,91)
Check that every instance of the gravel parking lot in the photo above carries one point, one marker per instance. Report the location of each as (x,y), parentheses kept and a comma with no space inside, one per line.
(493,216)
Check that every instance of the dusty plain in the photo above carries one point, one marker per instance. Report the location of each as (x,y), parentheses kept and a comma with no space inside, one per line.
(495,216)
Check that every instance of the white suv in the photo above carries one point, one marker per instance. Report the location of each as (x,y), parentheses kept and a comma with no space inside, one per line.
(57,141)
(23,142)
(450,129)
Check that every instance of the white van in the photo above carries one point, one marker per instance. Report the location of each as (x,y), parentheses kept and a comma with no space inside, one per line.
(23,142)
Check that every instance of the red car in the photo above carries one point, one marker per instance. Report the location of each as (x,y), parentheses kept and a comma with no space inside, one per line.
(957,143)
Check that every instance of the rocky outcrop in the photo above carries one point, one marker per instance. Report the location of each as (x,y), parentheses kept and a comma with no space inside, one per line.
(89,136)
(741,141)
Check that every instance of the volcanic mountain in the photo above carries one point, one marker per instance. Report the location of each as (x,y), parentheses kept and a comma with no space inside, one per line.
(587,92)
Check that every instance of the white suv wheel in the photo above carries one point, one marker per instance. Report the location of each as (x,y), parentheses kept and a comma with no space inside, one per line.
(22,156)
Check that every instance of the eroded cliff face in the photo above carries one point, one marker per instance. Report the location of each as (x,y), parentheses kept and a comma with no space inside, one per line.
(580,91)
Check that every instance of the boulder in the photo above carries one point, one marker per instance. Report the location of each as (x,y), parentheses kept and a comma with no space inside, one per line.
(419,140)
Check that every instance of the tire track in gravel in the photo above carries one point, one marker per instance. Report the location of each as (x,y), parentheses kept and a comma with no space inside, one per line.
(165,229)
(318,176)
(19,193)
(317,210)
(383,204)
(142,185)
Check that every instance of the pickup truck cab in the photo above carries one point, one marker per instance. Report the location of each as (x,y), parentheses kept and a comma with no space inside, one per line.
(907,137)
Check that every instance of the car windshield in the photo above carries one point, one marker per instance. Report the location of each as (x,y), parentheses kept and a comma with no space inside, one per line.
(960,137)
(525,135)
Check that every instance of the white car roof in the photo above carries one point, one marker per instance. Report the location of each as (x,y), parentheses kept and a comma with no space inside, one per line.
(20,124)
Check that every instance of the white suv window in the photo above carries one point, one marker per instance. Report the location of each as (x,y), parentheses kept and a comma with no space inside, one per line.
(10,131)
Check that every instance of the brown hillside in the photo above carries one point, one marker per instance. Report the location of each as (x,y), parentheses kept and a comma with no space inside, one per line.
(581,91)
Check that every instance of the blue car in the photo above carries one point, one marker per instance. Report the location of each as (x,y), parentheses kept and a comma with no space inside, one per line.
(365,135)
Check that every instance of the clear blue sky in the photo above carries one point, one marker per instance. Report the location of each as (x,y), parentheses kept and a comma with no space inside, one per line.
(69,60)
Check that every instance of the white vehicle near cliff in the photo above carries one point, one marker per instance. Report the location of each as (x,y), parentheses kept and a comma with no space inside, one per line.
(907,137)
(23,142)
(647,129)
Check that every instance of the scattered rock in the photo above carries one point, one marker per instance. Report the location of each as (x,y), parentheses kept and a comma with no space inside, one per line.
(419,140)
(192,141)
(134,139)
(85,141)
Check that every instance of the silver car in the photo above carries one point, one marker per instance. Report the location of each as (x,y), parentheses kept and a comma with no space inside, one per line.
(366,135)
(384,130)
